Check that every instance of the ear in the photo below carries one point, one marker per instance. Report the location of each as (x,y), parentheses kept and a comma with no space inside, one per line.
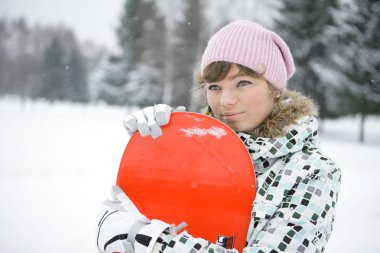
(275,92)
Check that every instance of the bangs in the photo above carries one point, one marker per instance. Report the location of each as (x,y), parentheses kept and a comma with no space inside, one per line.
(217,71)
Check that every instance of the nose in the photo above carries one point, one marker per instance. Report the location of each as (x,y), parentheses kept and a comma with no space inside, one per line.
(228,97)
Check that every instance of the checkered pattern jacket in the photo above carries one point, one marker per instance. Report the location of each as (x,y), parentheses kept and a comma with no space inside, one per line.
(297,186)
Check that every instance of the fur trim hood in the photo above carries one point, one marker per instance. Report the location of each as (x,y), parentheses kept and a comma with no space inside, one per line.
(291,107)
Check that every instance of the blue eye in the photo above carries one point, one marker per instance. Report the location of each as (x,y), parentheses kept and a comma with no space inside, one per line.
(244,83)
(213,87)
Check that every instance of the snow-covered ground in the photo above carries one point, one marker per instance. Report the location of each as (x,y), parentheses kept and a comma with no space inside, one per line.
(58,161)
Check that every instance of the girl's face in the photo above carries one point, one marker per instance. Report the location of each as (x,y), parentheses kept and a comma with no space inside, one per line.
(242,102)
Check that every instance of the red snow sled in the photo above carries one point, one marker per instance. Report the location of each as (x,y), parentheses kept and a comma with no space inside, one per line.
(198,171)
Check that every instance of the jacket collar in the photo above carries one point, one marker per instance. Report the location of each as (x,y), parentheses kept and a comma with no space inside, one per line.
(286,113)
(291,126)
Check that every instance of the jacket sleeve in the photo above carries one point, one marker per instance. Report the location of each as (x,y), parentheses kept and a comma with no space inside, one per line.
(186,243)
(302,222)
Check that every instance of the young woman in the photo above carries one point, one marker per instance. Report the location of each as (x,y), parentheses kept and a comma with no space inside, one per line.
(244,72)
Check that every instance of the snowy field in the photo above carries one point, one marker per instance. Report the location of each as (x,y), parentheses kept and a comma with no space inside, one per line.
(58,161)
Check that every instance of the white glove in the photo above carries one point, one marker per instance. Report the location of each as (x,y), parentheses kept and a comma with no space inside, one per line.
(122,228)
(148,120)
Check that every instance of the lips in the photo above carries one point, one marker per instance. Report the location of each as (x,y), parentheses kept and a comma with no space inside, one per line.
(231,116)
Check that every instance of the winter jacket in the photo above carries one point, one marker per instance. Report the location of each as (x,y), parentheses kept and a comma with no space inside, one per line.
(297,186)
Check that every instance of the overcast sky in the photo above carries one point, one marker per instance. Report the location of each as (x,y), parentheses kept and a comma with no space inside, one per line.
(90,19)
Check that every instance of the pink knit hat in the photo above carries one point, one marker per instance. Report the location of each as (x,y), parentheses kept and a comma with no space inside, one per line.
(251,45)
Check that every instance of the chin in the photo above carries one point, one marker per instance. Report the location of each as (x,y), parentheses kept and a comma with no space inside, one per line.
(239,125)
(238,128)
(241,128)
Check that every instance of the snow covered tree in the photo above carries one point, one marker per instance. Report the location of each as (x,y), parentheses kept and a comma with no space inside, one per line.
(186,47)
(172,14)
(129,31)
(77,78)
(358,57)
(135,75)
(55,79)
(40,61)
(3,56)
(303,25)
(110,70)
(109,79)
(64,75)
(19,64)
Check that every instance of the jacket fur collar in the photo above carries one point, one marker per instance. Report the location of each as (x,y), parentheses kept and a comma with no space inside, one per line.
(291,107)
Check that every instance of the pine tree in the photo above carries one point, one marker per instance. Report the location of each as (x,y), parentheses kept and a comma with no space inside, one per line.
(113,72)
(77,78)
(3,57)
(129,32)
(303,25)
(135,76)
(358,57)
(55,81)
(186,46)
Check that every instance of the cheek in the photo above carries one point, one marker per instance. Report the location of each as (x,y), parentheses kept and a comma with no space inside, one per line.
(252,99)
(267,106)
(261,104)
(212,101)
